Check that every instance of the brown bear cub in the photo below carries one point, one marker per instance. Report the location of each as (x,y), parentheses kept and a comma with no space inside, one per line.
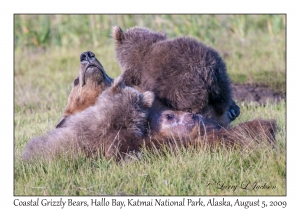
(116,124)
(180,128)
(183,73)
(87,86)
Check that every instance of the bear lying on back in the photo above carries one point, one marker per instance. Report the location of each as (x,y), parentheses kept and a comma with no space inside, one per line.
(87,86)
(183,73)
(179,128)
(116,124)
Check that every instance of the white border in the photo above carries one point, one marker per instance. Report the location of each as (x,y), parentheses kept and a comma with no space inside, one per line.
(154,6)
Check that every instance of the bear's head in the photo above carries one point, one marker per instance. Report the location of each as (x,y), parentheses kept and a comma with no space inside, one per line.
(87,86)
(166,124)
(133,45)
(137,35)
(125,107)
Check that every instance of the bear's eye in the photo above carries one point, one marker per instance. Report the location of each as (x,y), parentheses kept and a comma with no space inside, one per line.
(76,81)
(188,110)
(169,116)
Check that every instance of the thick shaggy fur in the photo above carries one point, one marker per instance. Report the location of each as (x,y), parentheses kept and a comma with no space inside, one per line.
(173,127)
(116,124)
(183,73)
(122,119)
(167,124)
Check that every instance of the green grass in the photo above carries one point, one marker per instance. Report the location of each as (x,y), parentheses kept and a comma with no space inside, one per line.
(253,46)
(187,172)
(47,50)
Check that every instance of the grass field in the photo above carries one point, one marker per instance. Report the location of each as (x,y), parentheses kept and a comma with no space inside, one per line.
(47,50)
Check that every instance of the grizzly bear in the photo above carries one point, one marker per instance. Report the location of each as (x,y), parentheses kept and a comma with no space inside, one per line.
(166,123)
(87,86)
(116,124)
(183,73)
(179,128)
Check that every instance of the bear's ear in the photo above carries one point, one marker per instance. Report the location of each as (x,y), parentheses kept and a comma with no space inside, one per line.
(147,99)
(118,35)
(118,85)
(163,33)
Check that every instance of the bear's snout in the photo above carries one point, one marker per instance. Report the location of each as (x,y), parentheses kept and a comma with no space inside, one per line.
(87,57)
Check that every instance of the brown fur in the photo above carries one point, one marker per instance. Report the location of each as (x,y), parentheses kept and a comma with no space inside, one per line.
(173,127)
(116,124)
(247,133)
(183,73)
(190,127)
(87,86)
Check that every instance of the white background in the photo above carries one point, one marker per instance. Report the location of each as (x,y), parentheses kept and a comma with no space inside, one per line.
(9,8)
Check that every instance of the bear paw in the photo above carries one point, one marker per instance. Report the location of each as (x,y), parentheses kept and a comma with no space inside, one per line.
(233,112)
